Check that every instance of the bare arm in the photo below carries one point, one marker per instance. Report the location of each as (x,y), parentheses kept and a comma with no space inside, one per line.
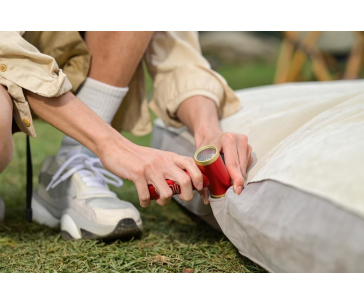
(141,165)
(75,119)
(199,114)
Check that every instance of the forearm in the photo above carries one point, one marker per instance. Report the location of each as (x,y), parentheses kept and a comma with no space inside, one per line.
(72,117)
(199,114)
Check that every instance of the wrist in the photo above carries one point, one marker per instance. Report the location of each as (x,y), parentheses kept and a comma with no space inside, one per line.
(110,141)
(207,135)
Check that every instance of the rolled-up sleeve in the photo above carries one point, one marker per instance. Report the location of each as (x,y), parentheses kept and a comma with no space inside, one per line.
(179,72)
(24,67)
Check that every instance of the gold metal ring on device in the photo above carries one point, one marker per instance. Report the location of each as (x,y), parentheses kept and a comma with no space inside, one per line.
(206,155)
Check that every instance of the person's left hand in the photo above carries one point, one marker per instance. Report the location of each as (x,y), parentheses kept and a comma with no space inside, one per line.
(206,129)
(237,155)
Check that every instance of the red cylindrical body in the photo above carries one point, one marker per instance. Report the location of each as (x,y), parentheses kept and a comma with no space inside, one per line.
(176,189)
(209,160)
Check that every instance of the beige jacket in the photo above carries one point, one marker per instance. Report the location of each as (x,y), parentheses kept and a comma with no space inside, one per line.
(52,63)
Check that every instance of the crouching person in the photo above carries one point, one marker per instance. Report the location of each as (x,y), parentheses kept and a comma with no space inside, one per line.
(73,192)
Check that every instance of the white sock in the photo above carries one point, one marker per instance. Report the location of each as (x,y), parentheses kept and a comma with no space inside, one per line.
(102,98)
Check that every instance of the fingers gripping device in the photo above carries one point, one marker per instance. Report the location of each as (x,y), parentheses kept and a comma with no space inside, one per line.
(215,175)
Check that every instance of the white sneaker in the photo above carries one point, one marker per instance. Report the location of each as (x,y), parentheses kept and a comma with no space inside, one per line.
(2,209)
(73,195)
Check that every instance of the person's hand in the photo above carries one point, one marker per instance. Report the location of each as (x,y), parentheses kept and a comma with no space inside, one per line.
(206,129)
(145,166)
(141,165)
(237,155)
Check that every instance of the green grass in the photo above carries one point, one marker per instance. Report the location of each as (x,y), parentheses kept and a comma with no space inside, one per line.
(248,75)
(171,242)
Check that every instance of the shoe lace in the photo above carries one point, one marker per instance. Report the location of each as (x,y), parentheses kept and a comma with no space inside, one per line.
(91,171)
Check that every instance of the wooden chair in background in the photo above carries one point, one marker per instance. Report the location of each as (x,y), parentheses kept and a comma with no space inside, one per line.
(297,49)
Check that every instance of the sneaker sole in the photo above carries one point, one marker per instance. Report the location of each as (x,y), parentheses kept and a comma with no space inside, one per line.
(74,226)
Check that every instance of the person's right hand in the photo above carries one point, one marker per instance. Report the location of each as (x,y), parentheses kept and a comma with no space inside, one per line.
(145,166)
(141,165)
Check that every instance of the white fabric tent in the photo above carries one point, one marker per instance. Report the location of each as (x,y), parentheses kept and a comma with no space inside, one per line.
(303,206)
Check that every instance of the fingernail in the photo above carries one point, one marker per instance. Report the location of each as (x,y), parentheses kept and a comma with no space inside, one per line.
(145,204)
(200,186)
(238,190)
